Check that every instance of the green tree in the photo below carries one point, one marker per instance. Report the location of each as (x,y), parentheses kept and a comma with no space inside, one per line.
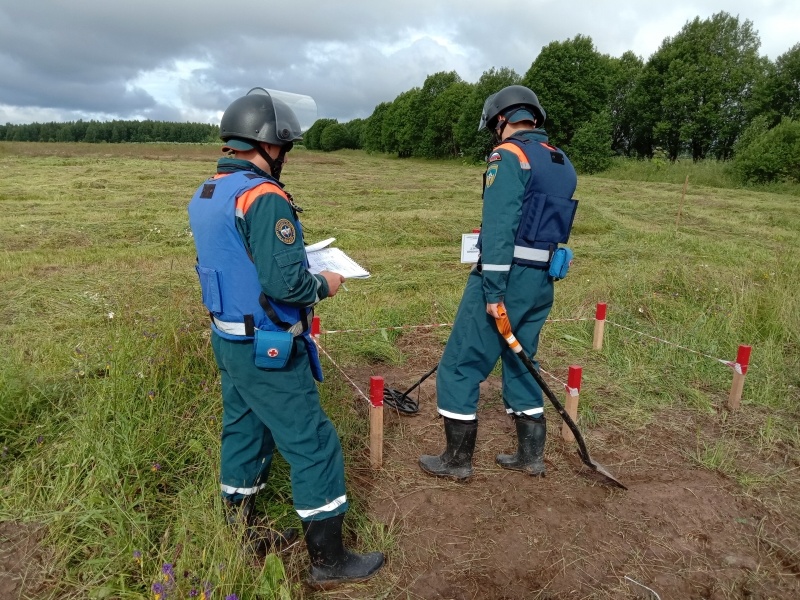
(472,143)
(573,82)
(312,138)
(695,90)
(355,133)
(65,133)
(373,127)
(334,137)
(439,138)
(624,73)
(590,150)
(771,155)
(422,107)
(777,95)
(398,132)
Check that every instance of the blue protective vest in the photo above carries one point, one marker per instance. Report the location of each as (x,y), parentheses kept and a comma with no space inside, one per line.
(228,278)
(548,209)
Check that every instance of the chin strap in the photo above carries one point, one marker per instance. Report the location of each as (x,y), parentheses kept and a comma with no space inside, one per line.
(497,132)
(502,121)
(276,164)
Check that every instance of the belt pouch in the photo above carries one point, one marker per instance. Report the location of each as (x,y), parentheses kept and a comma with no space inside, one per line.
(560,263)
(272,349)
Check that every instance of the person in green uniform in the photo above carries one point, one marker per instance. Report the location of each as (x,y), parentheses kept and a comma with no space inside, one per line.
(527,211)
(255,282)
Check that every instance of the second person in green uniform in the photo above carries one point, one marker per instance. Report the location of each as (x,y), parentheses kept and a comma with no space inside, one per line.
(527,211)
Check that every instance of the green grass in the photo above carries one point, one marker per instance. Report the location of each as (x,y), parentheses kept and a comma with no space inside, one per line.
(710,172)
(109,396)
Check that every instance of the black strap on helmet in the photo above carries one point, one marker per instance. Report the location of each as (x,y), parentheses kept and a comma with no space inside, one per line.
(275,164)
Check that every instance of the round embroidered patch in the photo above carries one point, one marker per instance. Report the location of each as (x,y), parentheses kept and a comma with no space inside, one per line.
(272,352)
(285,231)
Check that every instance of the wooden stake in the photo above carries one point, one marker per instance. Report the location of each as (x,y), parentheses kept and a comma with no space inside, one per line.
(599,326)
(571,405)
(376,422)
(680,206)
(739,371)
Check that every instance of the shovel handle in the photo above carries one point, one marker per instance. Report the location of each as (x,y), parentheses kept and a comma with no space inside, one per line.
(504,327)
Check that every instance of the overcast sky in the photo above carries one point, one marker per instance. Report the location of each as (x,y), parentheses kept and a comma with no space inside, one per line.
(181,60)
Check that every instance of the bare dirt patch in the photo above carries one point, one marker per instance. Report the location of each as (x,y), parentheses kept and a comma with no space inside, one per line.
(681,530)
(23,561)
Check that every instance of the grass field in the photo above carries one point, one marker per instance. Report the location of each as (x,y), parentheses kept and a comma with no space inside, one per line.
(109,396)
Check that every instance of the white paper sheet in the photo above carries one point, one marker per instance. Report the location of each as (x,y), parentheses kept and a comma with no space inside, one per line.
(333,259)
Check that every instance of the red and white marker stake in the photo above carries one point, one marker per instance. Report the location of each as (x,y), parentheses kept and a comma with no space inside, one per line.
(573,388)
(315,327)
(739,371)
(376,422)
(599,326)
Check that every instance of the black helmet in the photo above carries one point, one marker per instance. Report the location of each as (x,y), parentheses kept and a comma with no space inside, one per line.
(511,97)
(260,117)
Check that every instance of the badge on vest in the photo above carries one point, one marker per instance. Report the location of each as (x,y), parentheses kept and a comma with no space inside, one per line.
(272,349)
(285,231)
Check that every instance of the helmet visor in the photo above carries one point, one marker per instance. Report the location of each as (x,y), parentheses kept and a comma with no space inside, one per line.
(304,108)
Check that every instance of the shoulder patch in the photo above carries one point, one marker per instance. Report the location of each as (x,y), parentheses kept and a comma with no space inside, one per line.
(284,229)
(495,156)
(491,173)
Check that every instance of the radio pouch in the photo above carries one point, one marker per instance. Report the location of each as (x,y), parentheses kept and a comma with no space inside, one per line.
(560,263)
(272,349)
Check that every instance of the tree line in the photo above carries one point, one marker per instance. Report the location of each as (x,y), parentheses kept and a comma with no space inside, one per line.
(705,93)
(113,132)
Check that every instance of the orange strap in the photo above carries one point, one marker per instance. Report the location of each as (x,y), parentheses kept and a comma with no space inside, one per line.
(244,201)
(523,160)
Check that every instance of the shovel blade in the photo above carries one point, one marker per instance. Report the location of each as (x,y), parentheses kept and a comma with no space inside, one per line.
(605,473)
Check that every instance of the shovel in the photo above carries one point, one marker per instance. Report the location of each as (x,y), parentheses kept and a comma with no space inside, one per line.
(504,327)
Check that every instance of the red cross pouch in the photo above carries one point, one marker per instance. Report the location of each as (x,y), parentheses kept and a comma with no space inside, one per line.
(272,349)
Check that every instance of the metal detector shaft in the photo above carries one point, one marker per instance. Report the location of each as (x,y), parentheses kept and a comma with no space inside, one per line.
(504,327)
(419,383)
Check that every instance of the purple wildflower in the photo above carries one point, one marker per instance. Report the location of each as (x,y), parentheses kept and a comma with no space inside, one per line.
(193,593)
(168,572)
(158,591)
(208,590)
(232,597)
(151,394)
(40,440)
(156,466)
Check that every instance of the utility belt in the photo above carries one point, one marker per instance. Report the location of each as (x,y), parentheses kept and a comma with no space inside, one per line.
(522,255)
(241,327)
(556,262)
(271,349)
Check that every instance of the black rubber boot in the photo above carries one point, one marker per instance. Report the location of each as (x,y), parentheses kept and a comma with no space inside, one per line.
(258,539)
(331,562)
(529,457)
(456,460)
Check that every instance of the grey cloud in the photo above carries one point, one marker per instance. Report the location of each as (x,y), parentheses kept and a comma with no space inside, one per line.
(86,57)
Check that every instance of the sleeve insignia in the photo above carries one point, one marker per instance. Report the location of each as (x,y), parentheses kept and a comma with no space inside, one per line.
(495,156)
(284,229)
(491,173)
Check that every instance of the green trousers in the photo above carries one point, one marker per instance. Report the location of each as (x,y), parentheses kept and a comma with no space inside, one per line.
(475,345)
(264,410)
